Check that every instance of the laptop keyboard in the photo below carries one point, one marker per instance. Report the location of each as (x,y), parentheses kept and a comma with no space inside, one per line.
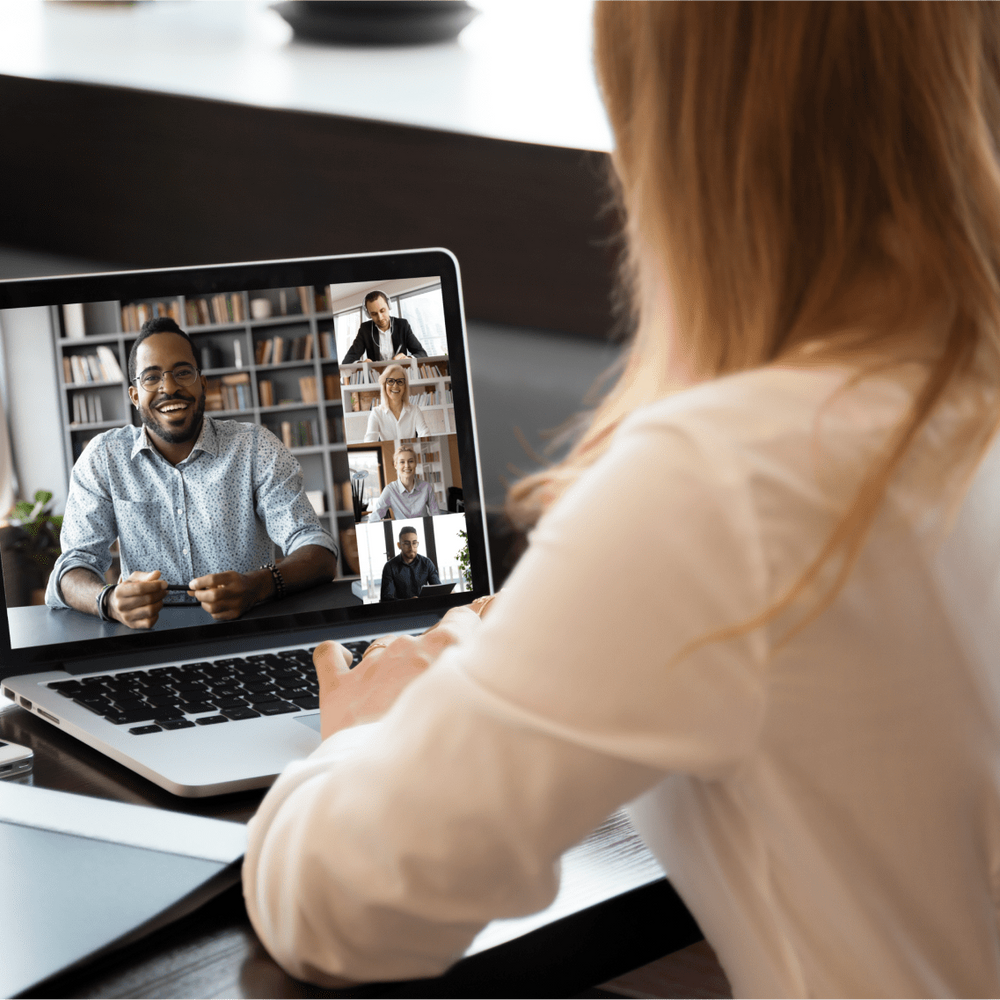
(205,693)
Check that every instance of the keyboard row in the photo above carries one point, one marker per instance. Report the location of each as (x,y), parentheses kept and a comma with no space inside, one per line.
(203,693)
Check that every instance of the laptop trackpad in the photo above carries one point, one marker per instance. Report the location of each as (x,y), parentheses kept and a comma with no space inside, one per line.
(312,721)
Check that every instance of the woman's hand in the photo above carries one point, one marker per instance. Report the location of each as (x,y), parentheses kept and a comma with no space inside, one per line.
(348,697)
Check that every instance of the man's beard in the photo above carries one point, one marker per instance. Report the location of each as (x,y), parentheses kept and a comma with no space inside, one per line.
(150,419)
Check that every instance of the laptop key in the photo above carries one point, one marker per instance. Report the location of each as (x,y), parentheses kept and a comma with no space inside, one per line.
(98,705)
(307,702)
(181,723)
(211,720)
(143,730)
(225,703)
(126,718)
(275,708)
(197,707)
(226,691)
(236,713)
(261,696)
(165,715)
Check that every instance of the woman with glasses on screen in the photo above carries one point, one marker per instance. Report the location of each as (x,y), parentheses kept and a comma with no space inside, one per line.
(395,417)
(796,683)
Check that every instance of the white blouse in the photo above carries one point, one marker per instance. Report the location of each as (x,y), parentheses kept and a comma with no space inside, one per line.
(827,807)
(383,426)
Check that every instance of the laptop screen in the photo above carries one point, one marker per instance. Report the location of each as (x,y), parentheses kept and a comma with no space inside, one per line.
(329,404)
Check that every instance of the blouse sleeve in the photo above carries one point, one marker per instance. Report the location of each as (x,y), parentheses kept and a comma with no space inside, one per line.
(420,423)
(384,853)
(374,431)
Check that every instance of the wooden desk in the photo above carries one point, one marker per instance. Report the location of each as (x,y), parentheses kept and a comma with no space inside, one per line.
(616,911)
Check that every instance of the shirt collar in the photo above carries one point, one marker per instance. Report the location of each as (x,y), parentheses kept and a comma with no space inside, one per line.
(207,441)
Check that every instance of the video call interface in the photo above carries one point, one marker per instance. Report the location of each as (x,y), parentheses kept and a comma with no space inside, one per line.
(353,382)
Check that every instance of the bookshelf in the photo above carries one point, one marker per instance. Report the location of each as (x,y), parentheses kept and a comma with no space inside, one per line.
(430,388)
(268,356)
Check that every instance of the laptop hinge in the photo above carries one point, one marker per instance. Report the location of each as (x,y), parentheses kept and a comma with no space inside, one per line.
(244,646)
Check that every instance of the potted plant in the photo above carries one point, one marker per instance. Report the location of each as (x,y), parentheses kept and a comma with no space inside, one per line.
(30,547)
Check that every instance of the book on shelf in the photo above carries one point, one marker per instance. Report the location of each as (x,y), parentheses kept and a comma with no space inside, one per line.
(79,369)
(74,324)
(299,433)
(87,408)
(331,389)
(307,387)
(236,393)
(215,309)
(363,401)
(134,314)
(334,430)
(213,394)
(263,351)
(275,350)
(304,297)
(109,364)
(327,344)
(265,389)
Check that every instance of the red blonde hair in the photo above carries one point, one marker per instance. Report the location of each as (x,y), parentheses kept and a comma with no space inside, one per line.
(790,171)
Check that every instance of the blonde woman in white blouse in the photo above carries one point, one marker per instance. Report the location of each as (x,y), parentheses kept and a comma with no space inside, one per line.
(787,658)
(395,417)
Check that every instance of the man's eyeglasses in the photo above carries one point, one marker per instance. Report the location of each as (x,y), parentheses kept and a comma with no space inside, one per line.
(395,381)
(182,375)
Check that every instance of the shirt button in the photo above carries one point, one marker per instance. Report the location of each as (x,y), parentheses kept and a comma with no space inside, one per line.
(179,511)
(185,552)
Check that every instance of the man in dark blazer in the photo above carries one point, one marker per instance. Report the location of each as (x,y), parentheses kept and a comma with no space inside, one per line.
(372,340)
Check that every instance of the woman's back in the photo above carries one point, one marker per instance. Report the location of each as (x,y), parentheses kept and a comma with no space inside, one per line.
(852,846)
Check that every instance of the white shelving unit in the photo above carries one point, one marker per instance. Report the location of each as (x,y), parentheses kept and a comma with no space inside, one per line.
(440,416)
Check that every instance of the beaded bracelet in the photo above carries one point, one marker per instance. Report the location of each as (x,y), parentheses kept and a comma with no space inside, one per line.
(279,583)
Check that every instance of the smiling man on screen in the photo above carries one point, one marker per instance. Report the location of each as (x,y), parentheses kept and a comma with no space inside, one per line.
(192,500)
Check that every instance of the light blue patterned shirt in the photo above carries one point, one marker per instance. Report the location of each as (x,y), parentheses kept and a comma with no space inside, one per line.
(225,507)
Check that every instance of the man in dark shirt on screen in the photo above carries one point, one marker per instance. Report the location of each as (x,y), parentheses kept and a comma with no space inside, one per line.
(406,573)
(384,336)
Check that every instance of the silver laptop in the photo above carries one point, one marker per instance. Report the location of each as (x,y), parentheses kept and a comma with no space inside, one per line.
(196,705)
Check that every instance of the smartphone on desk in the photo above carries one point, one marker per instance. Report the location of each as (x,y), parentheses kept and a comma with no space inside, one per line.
(15,760)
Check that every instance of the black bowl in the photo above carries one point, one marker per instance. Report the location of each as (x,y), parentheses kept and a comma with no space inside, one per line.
(377,22)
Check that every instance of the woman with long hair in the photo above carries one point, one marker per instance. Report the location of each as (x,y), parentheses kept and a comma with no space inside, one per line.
(395,417)
(796,683)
